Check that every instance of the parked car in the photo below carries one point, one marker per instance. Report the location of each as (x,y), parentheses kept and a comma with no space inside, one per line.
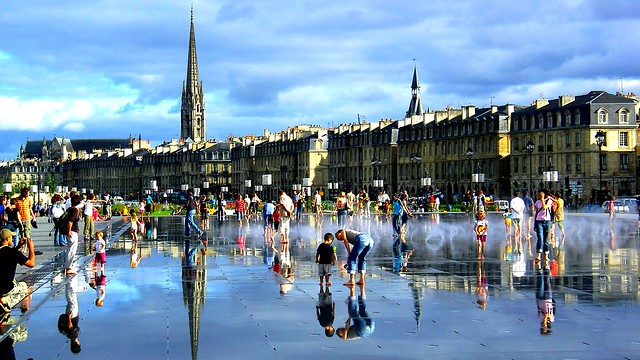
(618,207)
(632,203)
(502,204)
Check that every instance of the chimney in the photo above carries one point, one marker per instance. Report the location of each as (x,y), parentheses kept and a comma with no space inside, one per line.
(541,102)
(494,109)
(566,99)
(468,111)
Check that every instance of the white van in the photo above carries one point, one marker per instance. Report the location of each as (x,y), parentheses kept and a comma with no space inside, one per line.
(632,203)
(502,204)
(118,199)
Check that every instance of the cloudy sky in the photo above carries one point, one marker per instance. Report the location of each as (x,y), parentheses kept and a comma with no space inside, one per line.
(96,69)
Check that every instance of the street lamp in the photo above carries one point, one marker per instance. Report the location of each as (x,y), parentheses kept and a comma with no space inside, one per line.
(377,183)
(600,141)
(470,153)
(417,159)
(530,147)
(550,175)
(266,177)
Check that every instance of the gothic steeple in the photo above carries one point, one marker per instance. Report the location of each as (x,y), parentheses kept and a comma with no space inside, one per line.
(415,107)
(192,116)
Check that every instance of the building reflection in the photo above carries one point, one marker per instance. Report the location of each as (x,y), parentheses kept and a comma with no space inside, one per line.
(194,284)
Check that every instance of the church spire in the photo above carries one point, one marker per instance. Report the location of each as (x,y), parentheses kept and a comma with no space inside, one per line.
(415,107)
(192,116)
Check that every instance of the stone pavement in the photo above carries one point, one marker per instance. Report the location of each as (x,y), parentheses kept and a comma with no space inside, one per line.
(180,303)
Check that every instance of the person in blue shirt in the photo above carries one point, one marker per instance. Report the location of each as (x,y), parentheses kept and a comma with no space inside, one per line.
(267,216)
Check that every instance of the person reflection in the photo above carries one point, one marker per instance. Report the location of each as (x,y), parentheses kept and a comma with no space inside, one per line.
(545,304)
(68,323)
(326,310)
(16,334)
(363,325)
(286,270)
(134,256)
(101,289)
(482,293)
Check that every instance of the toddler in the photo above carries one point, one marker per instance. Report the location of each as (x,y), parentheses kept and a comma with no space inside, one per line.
(101,248)
(480,228)
(325,257)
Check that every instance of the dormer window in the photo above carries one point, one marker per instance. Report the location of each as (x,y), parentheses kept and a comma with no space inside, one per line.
(603,116)
(623,116)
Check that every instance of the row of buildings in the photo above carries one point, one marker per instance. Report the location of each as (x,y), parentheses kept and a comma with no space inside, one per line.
(584,146)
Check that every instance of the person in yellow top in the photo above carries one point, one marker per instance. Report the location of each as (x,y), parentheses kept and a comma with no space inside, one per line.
(480,229)
(25,207)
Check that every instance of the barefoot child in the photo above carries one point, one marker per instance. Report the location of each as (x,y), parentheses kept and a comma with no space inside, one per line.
(134,226)
(480,228)
(325,258)
(101,255)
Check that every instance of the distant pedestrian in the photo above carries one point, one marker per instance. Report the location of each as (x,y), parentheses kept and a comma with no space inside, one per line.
(191,206)
(71,230)
(517,214)
(528,217)
(611,209)
(25,207)
(558,217)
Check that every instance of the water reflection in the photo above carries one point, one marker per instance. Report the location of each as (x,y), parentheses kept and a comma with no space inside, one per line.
(69,322)
(482,289)
(326,310)
(545,304)
(16,333)
(359,324)
(194,287)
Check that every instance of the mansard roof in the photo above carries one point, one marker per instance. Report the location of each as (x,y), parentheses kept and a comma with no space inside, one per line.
(593,97)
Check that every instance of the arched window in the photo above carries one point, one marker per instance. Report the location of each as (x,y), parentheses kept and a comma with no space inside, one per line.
(623,116)
(603,116)
(567,118)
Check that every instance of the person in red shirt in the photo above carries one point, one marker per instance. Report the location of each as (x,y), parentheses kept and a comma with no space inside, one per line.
(240,210)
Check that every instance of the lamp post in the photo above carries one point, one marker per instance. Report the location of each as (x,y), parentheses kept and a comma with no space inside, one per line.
(417,159)
(530,147)
(376,182)
(266,177)
(470,153)
(600,141)
(550,175)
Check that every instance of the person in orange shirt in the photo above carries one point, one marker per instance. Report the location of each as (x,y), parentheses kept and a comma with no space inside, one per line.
(25,207)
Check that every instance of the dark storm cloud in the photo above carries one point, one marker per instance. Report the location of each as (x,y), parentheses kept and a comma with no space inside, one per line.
(78,66)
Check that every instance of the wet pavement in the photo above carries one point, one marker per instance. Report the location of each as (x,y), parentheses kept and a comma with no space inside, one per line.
(172,299)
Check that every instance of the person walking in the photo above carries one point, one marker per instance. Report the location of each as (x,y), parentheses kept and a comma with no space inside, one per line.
(317,202)
(558,217)
(358,245)
(69,227)
(191,206)
(528,217)
(285,205)
(517,214)
(341,209)
(25,207)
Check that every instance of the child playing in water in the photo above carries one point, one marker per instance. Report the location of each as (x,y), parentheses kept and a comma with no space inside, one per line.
(325,257)
(480,228)
(134,226)
(507,221)
(101,255)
